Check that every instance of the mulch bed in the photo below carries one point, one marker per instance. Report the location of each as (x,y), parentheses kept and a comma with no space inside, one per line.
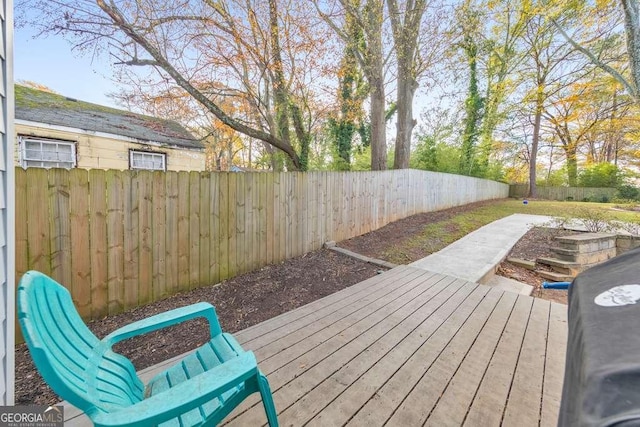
(240,302)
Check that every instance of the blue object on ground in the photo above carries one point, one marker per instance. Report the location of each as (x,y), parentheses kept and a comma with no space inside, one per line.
(201,389)
(556,285)
(525,202)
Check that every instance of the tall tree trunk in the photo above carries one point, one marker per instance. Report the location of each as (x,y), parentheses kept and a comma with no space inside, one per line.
(407,87)
(374,72)
(572,164)
(533,157)
(473,106)
(405,27)
(490,119)
(612,138)
(350,98)
(303,136)
(378,126)
(280,95)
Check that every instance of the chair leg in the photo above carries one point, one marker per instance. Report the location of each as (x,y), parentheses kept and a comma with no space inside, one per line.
(267,400)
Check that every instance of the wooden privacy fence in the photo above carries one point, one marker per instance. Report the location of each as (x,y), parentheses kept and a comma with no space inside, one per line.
(119,239)
(579,194)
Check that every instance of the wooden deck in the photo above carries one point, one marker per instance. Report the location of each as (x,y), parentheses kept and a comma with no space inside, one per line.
(408,348)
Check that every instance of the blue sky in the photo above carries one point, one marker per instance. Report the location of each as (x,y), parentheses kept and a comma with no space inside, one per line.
(50,61)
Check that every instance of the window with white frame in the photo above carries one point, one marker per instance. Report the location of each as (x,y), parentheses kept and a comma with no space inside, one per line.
(147,160)
(46,153)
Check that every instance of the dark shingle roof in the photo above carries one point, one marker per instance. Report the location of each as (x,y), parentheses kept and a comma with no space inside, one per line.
(45,107)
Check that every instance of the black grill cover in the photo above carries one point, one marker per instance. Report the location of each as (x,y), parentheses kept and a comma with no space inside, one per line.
(602,376)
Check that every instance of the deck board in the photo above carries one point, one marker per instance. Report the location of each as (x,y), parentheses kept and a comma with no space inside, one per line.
(554,365)
(526,389)
(409,347)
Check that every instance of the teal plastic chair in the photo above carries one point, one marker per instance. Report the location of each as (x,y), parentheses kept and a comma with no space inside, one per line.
(201,389)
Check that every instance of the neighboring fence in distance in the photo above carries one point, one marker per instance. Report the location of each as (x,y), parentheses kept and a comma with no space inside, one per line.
(118,239)
(578,194)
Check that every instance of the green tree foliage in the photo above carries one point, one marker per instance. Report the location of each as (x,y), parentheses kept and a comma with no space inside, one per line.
(554,178)
(600,175)
(470,20)
(504,55)
(352,91)
(473,109)
(435,156)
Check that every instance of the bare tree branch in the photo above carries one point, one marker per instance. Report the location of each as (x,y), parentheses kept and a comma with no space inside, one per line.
(120,21)
(597,62)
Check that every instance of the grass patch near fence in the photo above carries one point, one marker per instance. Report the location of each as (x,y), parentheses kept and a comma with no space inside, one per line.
(437,235)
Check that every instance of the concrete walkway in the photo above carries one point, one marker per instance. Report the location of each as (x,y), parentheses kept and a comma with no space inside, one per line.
(475,256)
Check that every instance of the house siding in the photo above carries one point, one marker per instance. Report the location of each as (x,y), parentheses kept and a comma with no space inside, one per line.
(100,151)
(7,214)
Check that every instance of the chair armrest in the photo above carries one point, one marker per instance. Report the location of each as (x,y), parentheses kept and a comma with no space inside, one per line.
(166,319)
(184,397)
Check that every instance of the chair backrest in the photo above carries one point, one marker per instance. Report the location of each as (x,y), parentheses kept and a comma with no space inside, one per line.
(77,366)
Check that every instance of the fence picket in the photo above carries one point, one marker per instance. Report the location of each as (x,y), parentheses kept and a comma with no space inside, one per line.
(214,227)
(159,236)
(115,240)
(80,245)
(98,238)
(240,223)
(145,235)
(232,249)
(131,240)
(194,229)
(183,231)
(223,227)
(60,226)
(205,232)
(171,249)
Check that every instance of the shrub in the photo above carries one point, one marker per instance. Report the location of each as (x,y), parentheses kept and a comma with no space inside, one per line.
(628,192)
(632,228)
(594,220)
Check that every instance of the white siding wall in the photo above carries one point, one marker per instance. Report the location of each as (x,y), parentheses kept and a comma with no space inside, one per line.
(7,197)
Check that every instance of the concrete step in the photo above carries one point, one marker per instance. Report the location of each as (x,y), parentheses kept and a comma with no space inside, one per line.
(585,258)
(564,253)
(524,263)
(554,276)
(564,267)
